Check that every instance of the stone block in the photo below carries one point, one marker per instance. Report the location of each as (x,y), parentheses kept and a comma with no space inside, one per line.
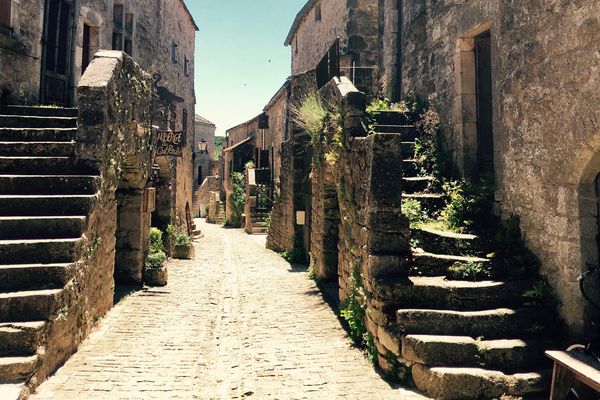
(389,221)
(390,340)
(378,265)
(387,243)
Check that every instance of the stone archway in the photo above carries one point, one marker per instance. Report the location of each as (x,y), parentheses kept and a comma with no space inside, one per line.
(165,196)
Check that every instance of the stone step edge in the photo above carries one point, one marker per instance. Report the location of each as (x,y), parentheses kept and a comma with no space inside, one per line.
(453,383)
(447,257)
(30,293)
(448,234)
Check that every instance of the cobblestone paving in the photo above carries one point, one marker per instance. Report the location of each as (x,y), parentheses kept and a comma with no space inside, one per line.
(236,323)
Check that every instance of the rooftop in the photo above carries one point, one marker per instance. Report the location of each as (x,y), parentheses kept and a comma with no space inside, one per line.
(201,120)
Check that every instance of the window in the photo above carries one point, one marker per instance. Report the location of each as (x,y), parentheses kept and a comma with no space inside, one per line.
(122,38)
(174,52)
(5,12)
(318,12)
(186,66)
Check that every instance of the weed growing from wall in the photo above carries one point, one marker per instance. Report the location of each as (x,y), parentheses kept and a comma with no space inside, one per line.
(354,307)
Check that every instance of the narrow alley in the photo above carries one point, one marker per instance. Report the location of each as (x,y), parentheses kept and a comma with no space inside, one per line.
(236,322)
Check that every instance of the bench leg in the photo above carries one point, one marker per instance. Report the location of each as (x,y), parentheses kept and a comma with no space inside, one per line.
(562,381)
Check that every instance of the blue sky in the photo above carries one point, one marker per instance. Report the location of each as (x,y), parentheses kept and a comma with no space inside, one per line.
(240,57)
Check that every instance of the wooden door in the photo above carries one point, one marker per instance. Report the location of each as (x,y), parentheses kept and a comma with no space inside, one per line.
(56,69)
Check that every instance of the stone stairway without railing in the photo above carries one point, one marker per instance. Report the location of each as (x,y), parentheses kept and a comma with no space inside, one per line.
(464,339)
(44,201)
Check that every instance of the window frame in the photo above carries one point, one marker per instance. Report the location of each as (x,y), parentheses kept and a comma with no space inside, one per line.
(123,30)
(8,23)
(318,13)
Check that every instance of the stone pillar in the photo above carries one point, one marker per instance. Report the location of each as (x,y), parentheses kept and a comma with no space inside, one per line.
(133,225)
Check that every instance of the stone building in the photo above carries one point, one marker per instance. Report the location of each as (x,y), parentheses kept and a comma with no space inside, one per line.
(516,86)
(88,214)
(204,148)
(204,158)
(315,31)
(47,45)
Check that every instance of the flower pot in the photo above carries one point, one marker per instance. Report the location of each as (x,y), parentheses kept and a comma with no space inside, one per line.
(156,276)
(183,251)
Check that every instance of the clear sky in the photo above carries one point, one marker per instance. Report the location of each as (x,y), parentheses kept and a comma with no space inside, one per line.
(241,61)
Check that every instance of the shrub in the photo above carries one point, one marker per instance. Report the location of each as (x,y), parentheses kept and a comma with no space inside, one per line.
(156,254)
(179,236)
(412,209)
(353,308)
(310,116)
(156,260)
(237,200)
(470,205)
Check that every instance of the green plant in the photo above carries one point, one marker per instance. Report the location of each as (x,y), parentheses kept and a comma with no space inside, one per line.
(312,272)
(179,236)
(156,260)
(370,348)
(237,199)
(156,240)
(250,164)
(294,256)
(541,294)
(481,351)
(412,209)
(310,116)
(354,306)
(470,271)
(470,204)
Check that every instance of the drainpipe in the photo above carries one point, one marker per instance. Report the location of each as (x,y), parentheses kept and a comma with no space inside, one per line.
(74,19)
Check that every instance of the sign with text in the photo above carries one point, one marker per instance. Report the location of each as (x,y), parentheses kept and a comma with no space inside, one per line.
(169,143)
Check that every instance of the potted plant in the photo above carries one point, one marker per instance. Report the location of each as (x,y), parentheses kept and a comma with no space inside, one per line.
(182,243)
(155,270)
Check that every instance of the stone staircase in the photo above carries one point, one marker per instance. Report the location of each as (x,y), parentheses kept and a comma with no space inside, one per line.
(463,339)
(44,201)
(259,224)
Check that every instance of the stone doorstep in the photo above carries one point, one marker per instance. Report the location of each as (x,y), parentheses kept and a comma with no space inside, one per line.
(439,293)
(37,134)
(27,306)
(475,383)
(20,338)
(502,355)
(47,149)
(40,251)
(17,369)
(490,324)
(29,121)
(42,205)
(60,227)
(34,276)
(12,391)
(49,184)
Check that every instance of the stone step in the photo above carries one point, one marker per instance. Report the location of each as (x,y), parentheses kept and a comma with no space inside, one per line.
(416,184)
(439,293)
(16,277)
(39,111)
(49,251)
(393,118)
(48,184)
(12,391)
(490,324)
(476,383)
(431,264)
(37,135)
(41,227)
(33,305)
(508,355)
(408,149)
(408,132)
(410,168)
(20,338)
(17,369)
(259,230)
(42,149)
(48,165)
(42,205)
(446,242)
(429,201)
(26,121)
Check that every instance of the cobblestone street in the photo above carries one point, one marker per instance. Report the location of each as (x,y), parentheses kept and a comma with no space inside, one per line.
(237,322)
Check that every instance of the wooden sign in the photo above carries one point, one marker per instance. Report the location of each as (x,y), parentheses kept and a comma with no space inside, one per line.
(169,143)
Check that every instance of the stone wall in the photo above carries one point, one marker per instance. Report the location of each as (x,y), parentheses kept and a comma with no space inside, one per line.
(211,184)
(354,22)
(108,137)
(373,232)
(20,54)
(545,116)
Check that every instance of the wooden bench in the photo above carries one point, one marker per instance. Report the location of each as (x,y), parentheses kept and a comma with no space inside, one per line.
(570,367)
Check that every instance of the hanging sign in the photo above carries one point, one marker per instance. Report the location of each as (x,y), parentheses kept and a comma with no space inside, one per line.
(169,143)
